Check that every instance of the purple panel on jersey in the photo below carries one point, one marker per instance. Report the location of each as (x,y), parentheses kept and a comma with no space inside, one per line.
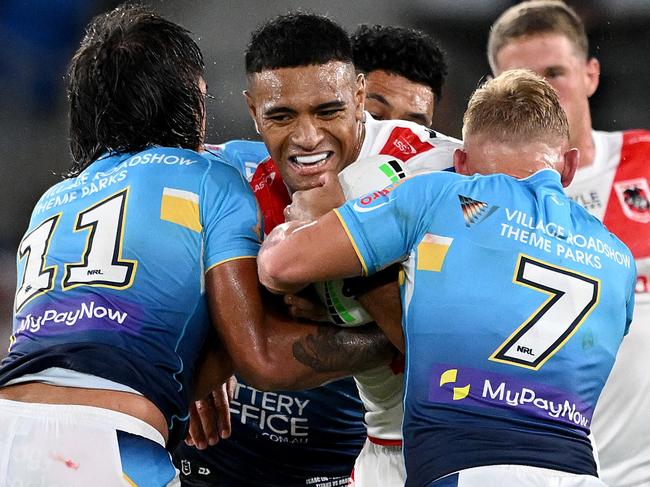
(93,313)
(479,388)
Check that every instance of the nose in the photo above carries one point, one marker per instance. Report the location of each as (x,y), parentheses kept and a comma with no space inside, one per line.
(307,135)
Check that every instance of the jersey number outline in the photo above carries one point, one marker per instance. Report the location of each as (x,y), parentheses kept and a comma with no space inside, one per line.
(572,297)
(37,279)
(101,264)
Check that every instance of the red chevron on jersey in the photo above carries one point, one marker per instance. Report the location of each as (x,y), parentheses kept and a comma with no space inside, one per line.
(628,209)
(403,144)
(271,193)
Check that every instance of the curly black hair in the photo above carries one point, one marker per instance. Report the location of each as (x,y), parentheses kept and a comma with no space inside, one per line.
(297,39)
(407,52)
(134,83)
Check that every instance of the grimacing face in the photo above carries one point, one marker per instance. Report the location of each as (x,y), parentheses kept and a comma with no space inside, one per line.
(554,57)
(310,118)
(390,96)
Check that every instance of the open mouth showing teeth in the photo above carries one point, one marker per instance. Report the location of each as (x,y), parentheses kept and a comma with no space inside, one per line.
(310,160)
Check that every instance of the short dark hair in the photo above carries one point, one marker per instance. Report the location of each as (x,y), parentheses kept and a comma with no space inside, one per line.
(297,39)
(536,17)
(134,83)
(407,52)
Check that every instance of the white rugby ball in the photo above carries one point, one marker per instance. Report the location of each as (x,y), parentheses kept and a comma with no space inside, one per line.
(371,174)
(363,176)
(343,309)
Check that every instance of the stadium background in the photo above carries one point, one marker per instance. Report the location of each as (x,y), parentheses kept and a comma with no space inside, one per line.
(38,37)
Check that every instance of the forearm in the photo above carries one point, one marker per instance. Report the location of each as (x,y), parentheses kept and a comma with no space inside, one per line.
(381,299)
(213,368)
(270,260)
(346,351)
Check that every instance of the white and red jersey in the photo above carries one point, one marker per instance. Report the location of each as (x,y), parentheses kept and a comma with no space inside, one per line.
(616,189)
(421,150)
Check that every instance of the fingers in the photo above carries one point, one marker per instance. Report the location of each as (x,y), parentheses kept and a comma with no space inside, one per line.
(300,307)
(231,384)
(327,178)
(196,436)
(222,409)
(209,419)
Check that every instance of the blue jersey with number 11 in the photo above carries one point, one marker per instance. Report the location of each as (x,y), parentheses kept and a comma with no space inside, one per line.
(515,303)
(110,271)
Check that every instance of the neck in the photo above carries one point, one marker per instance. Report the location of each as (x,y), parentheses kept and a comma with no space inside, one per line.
(361,135)
(581,139)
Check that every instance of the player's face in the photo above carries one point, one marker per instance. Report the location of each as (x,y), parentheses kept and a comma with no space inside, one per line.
(309,117)
(393,97)
(554,57)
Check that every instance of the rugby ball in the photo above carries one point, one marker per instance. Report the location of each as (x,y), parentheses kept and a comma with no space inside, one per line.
(362,177)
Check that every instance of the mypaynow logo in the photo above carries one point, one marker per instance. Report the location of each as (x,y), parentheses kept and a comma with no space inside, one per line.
(479,388)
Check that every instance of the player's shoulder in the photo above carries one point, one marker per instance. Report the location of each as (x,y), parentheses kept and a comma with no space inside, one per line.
(403,139)
(636,136)
(243,155)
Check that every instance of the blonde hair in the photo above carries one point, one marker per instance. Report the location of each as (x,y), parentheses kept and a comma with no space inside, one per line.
(516,106)
(536,17)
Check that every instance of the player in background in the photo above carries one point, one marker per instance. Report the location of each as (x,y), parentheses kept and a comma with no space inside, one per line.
(500,295)
(109,321)
(405,70)
(612,183)
(404,141)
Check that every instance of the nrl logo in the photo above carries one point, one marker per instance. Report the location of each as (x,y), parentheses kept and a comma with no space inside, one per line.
(633,195)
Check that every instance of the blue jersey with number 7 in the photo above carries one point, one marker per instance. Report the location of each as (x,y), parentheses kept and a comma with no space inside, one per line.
(515,302)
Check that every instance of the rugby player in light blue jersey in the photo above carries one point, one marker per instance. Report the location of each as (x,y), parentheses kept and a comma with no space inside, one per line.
(515,299)
(123,265)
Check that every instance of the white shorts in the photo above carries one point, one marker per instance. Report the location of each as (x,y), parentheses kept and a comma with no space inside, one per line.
(58,445)
(378,466)
(516,476)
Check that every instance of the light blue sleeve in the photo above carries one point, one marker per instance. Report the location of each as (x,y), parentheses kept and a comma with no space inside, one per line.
(243,155)
(629,305)
(229,216)
(383,225)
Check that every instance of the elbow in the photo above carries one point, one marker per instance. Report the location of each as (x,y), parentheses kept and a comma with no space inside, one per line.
(273,273)
(264,376)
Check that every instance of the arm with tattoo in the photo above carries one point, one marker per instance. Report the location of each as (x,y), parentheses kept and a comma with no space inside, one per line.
(345,350)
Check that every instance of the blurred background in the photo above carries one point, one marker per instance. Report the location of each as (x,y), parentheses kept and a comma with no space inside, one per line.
(38,37)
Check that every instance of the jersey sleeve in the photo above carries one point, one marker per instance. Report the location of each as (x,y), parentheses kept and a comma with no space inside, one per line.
(243,155)
(629,305)
(231,221)
(440,158)
(383,225)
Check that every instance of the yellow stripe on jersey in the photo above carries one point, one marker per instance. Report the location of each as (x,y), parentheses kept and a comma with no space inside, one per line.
(181,207)
(432,251)
(229,260)
(128,480)
(364,267)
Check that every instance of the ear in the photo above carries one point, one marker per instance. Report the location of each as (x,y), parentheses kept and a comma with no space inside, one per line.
(360,96)
(571,163)
(593,75)
(250,103)
(460,162)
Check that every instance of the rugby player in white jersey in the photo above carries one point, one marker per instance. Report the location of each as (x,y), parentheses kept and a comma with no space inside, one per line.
(612,182)
(311,119)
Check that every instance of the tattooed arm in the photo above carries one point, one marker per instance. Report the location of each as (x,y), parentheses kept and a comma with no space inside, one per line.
(274,352)
(345,350)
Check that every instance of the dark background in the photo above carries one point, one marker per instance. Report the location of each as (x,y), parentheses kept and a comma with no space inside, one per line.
(38,37)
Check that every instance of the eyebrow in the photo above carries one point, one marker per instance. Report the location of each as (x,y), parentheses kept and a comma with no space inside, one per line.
(420,117)
(323,106)
(378,97)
